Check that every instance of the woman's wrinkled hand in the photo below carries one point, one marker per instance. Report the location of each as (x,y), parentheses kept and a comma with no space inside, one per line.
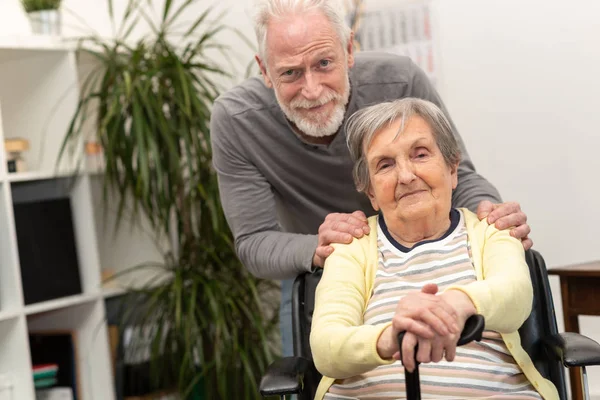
(433,349)
(424,314)
(429,350)
(434,322)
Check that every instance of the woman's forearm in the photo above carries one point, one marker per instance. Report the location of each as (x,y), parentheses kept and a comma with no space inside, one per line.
(462,303)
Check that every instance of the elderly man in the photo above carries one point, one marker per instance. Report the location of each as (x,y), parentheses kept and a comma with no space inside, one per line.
(279,145)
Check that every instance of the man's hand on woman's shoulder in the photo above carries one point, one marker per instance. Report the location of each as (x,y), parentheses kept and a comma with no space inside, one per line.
(339,228)
(507,215)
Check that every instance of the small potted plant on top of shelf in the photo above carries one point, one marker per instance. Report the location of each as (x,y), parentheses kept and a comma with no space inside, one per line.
(44,16)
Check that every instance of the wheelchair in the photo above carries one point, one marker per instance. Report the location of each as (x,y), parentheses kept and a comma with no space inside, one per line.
(549,350)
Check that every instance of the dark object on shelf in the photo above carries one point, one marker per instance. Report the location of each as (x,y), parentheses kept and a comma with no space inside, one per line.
(11,165)
(14,148)
(133,378)
(47,251)
(56,347)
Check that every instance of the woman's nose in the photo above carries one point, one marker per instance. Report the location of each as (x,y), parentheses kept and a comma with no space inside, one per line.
(406,173)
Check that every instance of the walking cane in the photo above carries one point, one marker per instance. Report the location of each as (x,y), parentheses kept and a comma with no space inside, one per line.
(472,331)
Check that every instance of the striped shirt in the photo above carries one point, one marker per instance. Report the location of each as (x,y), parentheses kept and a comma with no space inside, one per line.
(483,370)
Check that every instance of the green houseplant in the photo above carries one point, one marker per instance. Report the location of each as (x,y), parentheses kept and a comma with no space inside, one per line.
(40,5)
(44,16)
(149,102)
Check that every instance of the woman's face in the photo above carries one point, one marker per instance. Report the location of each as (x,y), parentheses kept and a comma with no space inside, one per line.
(409,176)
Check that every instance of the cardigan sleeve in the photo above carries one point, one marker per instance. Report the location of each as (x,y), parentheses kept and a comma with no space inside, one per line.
(504,296)
(341,345)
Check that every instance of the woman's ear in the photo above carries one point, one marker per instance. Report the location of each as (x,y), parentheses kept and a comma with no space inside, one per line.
(372,198)
(454,172)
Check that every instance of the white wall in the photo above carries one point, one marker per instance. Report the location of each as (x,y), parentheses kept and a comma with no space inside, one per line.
(520,79)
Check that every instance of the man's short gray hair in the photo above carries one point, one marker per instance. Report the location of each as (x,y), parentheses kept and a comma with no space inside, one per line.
(265,10)
(364,124)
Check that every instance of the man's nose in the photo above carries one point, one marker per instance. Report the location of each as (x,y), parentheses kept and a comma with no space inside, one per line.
(312,89)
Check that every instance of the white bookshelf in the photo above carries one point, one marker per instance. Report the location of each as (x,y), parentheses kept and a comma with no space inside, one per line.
(39,91)
(21,43)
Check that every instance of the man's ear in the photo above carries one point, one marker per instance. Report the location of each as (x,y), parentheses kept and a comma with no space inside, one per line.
(263,70)
(350,50)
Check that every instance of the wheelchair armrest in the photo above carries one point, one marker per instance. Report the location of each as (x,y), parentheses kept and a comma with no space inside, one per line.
(284,376)
(573,349)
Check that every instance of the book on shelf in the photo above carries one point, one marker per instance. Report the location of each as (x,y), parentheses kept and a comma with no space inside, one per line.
(55,393)
(41,371)
(45,383)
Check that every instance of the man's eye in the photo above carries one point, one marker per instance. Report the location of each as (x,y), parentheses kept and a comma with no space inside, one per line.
(324,63)
(289,72)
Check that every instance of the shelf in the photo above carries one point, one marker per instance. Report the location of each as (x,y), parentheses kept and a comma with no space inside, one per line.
(8,314)
(113,292)
(35,42)
(15,358)
(87,322)
(36,176)
(40,82)
(56,304)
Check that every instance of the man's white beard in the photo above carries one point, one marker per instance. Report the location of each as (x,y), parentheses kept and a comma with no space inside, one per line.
(319,124)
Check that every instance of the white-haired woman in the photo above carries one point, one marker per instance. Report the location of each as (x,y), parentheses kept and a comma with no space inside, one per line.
(424,269)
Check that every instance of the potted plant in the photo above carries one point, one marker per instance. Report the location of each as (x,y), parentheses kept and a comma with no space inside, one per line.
(150,103)
(44,16)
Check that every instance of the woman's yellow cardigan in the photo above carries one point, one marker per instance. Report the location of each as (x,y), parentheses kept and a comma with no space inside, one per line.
(343,347)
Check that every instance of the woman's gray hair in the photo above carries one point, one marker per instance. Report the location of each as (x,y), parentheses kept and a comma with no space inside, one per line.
(363,126)
(267,9)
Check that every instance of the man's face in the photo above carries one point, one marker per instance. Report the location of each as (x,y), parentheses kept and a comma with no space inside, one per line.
(307,67)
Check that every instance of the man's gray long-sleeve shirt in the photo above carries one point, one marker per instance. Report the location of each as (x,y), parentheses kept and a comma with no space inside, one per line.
(276,189)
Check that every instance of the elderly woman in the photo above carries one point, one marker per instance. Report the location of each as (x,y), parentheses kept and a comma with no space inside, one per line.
(424,269)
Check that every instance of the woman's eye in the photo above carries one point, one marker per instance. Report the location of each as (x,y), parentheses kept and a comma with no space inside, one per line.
(421,154)
(385,165)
